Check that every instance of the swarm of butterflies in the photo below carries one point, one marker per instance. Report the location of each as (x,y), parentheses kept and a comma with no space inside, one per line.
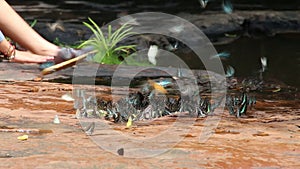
(150,102)
(168,96)
(153,101)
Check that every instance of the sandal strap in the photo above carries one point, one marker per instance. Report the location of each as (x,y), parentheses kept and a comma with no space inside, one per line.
(10,53)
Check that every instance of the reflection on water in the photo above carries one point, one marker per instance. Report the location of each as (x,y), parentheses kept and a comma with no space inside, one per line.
(282,51)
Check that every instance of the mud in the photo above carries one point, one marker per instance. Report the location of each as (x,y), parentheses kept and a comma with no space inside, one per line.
(268,137)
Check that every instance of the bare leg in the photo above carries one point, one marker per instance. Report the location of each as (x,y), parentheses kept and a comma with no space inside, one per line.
(12,25)
(23,56)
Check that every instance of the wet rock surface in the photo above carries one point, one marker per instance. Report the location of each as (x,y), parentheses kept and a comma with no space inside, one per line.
(246,23)
(214,24)
(62,20)
(255,29)
(267,137)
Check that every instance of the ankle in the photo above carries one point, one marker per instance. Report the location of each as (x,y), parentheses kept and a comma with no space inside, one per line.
(46,51)
(4,46)
(7,49)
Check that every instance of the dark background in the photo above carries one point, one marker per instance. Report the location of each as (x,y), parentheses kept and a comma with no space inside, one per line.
(107,10)
(282,51)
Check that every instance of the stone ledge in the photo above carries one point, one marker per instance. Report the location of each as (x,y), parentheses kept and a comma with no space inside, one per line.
(214,24)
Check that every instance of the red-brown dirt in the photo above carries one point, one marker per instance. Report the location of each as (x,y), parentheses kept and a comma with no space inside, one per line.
(269,137)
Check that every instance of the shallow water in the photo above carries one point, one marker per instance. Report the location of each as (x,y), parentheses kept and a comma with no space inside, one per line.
(282,51)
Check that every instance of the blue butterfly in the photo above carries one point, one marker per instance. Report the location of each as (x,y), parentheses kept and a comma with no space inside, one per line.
(226,5)
(46,65)
(222,55)
(164,83)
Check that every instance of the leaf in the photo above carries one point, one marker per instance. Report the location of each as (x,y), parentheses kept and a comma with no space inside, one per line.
(107,50)
(230,35)
(67,97)
(24,137)
(129,122)
(122,48)
(99,57)
(98,32)
(120,34)
(276,90)
(33,23)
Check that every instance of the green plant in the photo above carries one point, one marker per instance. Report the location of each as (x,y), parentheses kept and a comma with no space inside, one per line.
(58,42)
(107,49)
(33,23)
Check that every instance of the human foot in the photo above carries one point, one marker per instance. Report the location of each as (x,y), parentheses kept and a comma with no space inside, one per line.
(65,54)
(28,57)
(70,53)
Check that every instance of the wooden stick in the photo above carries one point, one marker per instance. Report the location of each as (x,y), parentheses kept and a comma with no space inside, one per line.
(32,131)
(53,68)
